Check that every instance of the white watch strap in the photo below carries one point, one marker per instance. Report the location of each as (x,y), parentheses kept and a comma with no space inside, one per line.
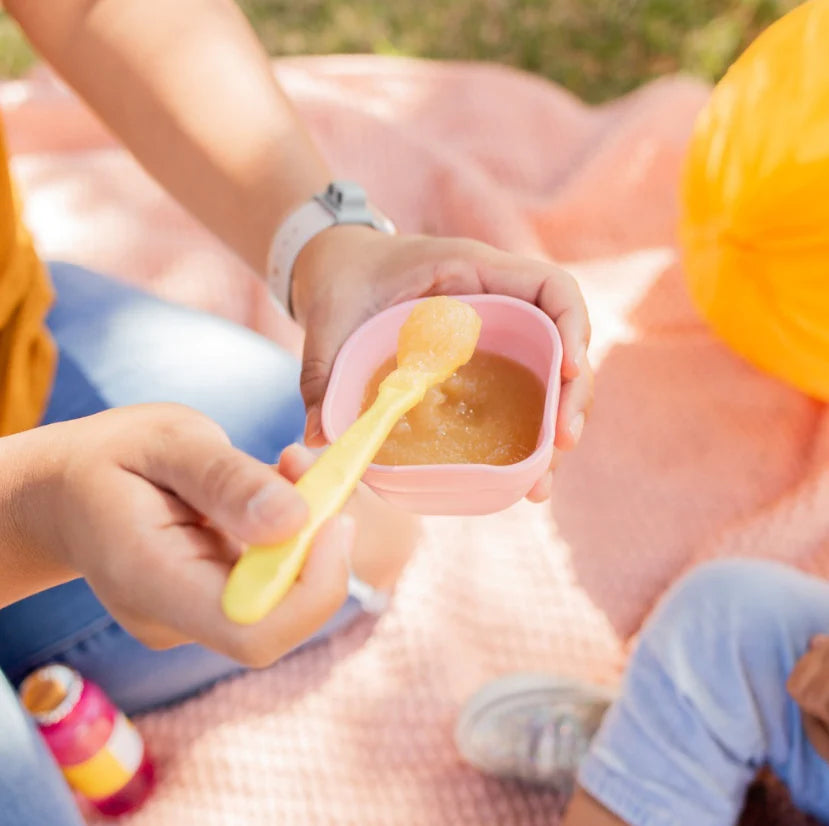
(299,228)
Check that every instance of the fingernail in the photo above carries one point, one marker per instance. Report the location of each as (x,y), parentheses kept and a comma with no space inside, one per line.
(580,360)
(273,504)
(576,427)
(298,452)
(819,639)
(556,460)
(313,426)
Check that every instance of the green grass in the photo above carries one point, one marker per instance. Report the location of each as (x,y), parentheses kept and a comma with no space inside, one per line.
(15,55)
(597,48)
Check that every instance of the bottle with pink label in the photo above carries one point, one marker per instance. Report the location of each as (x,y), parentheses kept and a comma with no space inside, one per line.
(100,752)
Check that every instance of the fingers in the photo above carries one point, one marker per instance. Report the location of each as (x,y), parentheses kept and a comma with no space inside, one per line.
(180,600)
(176,574)
(556,292)
(294,462)
(323,340)
(562,300)
(573,408)
(552,289)
(329,325)
(314,436)
(235,492)
(318,594)
(542,489)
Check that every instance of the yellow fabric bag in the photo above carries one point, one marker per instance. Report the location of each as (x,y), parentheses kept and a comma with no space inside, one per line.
(755,202)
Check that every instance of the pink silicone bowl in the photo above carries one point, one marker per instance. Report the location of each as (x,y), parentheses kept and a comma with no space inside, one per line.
(511,328)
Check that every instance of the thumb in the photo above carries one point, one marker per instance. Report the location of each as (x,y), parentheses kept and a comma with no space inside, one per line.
(238,494)
(327,329)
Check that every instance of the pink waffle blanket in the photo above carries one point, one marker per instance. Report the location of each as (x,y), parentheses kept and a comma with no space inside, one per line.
(690,453)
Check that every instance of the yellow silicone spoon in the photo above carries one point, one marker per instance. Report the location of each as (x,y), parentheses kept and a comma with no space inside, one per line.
(437,338)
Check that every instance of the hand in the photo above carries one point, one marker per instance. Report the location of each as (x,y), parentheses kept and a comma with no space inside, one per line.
(151,505)
(347,274)
(808,685)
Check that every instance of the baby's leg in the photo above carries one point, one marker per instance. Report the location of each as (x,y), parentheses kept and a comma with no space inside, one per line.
(585,810)
(704,704)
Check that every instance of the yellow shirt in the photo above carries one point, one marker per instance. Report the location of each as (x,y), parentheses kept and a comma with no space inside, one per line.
(27,354)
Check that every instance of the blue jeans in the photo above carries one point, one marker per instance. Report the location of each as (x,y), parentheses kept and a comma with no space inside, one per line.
(704,704)
(120,346)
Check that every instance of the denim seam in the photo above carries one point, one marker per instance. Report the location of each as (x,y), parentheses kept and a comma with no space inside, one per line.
(63,645)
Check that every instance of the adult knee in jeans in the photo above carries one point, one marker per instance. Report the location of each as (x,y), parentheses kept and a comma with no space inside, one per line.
(32,789)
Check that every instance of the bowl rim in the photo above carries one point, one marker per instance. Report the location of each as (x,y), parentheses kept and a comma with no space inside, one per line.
(551,396)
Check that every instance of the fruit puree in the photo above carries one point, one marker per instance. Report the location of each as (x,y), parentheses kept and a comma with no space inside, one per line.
(488,412)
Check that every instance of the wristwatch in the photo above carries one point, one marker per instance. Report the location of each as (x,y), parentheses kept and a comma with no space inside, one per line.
(343,202)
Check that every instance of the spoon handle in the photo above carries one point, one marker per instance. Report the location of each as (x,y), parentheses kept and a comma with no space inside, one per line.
(264,574)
